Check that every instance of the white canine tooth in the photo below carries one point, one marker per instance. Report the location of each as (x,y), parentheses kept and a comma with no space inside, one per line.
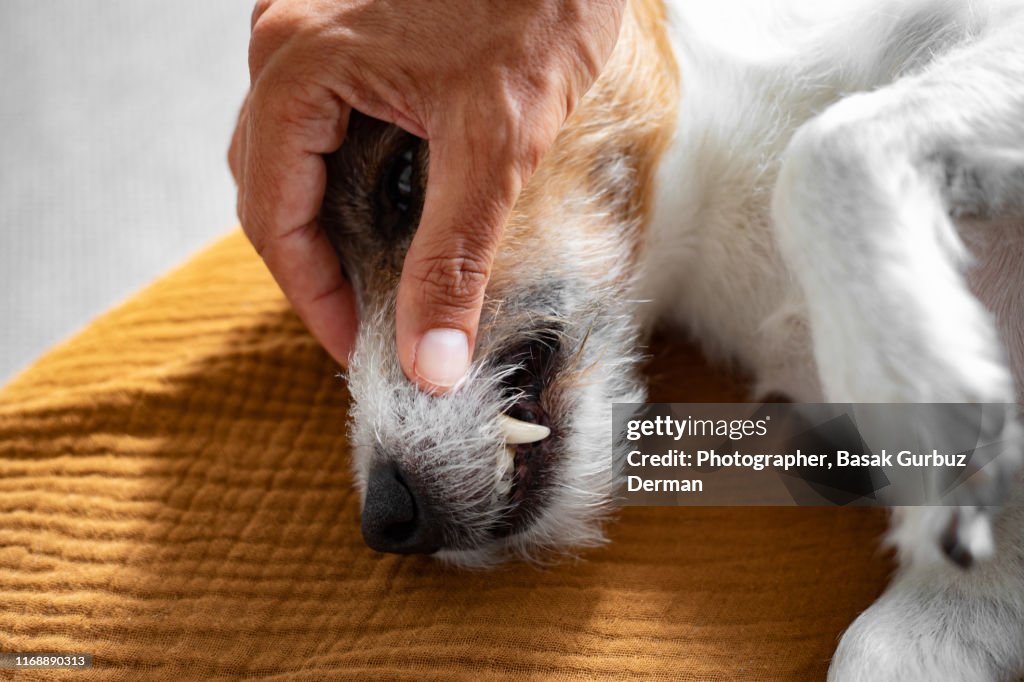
(518,432)
(510,453)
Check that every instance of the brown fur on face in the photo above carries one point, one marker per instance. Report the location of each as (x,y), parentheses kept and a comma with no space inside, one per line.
(609,149)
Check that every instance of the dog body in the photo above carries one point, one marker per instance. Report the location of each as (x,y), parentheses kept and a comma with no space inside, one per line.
(812,224)
(753,75)
(828,195)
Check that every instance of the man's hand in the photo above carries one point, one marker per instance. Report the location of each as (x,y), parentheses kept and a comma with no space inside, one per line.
(488,82)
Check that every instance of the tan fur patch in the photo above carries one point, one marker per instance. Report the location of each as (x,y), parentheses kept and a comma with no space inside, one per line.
(608,152)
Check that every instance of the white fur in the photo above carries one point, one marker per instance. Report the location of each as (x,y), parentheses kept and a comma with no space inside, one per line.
(811,223)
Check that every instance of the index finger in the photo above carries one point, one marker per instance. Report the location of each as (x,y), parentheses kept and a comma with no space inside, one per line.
(287,132)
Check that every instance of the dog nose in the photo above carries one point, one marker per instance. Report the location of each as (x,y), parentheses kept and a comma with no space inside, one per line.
(396,519)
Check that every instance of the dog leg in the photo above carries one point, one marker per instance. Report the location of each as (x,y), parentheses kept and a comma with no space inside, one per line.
(939,622)
(864,208)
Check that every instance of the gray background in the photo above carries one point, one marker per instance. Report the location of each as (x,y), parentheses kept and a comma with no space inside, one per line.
(115,117)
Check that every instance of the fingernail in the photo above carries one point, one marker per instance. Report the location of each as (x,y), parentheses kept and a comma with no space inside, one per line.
(442,357)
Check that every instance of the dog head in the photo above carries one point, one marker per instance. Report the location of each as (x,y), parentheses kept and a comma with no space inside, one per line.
(516,459)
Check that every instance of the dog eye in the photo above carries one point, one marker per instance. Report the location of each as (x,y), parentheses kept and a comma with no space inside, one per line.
(398,182)
(398,197)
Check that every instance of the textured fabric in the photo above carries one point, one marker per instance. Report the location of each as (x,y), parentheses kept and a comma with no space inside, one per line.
(175,499)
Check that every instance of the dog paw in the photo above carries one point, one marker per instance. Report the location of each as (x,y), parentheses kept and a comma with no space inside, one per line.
(961,530)
(899,640)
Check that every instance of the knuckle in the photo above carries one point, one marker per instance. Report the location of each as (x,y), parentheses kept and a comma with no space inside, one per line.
(269,31)
(302,104)
(522,135)
(258,10)
(532,154)
(453,284)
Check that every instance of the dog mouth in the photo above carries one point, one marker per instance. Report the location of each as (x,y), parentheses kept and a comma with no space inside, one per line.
(523,472)
(529,454)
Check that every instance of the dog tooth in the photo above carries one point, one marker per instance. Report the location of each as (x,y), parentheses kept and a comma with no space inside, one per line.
(506,461)
(518,432)
(504,486)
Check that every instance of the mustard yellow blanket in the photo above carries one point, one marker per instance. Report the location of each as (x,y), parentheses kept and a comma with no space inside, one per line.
(175,500)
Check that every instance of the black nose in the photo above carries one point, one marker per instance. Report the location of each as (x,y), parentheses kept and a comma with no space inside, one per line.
(395,519)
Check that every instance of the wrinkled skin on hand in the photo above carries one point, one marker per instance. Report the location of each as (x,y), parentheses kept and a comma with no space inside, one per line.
(488,83)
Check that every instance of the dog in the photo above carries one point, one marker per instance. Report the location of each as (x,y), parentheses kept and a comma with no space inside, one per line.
(830,195)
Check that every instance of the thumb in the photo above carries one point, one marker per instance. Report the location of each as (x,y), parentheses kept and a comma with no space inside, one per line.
(471,189)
